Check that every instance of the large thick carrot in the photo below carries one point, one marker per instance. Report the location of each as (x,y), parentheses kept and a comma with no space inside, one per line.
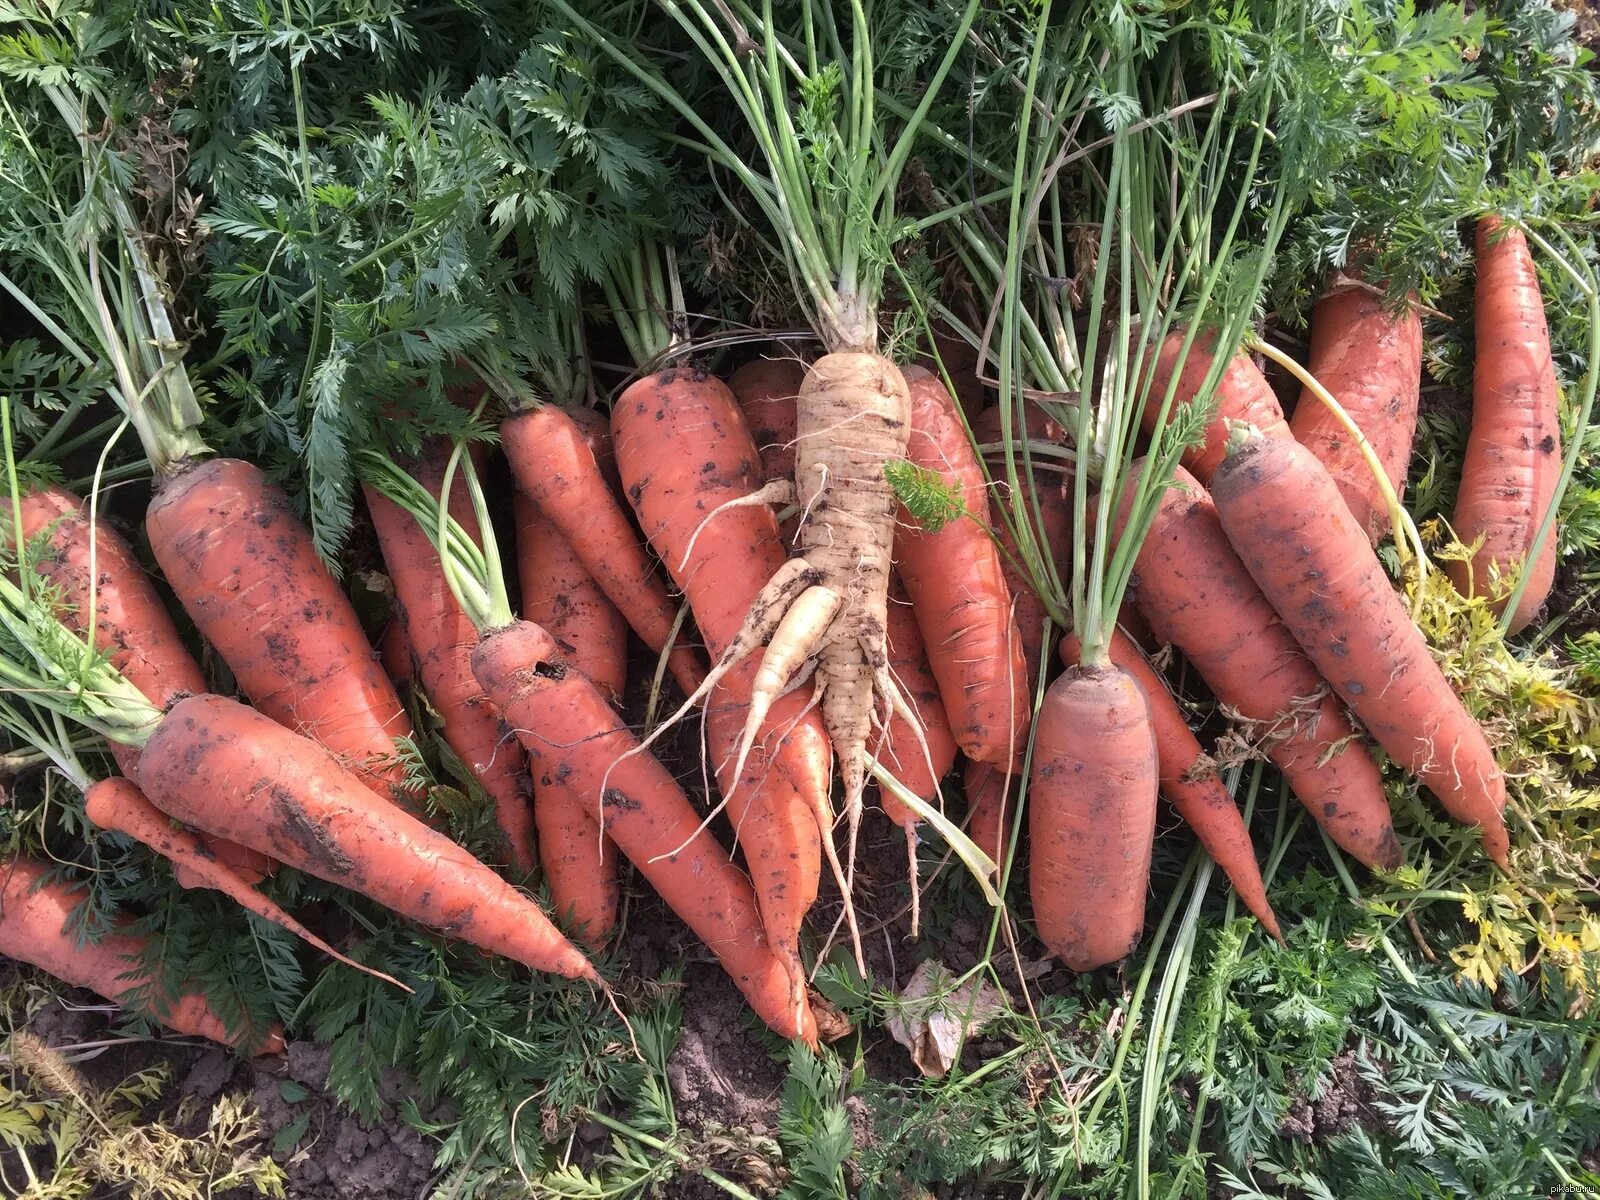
(1243,394)
(227,769)
(97,578)
(245,568)
(1198,595)
(684,451)
(441,640)
(34,928)
(562,598)
(1371,361)
(958,589)
(1513,461)
(571,732)
(1283,514)
(1091,815)
(117,804)
(1190,782)
(555,466)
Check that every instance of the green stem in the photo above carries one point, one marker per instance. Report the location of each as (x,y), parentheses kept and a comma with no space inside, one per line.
(683,1160)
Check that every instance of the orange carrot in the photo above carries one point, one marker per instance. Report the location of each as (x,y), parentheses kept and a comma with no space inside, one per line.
(1311,560)
(767,389)
(1513,461)
(227,769)
(555,466)
(1198,596)
(958,589)
(1091,815)
(684,450)
(394,651)
(441,639)
(571,732)
(1243,394)
(1371,362)
(117,804)
(1190,782)
(34,917)
(245,568)
(131,625)
(902,751)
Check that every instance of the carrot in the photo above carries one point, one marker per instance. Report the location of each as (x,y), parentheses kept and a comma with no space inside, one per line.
(767,389)
(441,639)
(1198,595)
(958,590)
(117,804)
(556,468)
(1312,561)
(902,748)
(1091,815)
(1513,460)
(570,732)
(34,920)
(1052,526)
(989,797)
(131,625)
(245,569)
(228,769)
(684,451)
(580,865)
(394,651)
(1371,361)
(1190,782)
(1243,394)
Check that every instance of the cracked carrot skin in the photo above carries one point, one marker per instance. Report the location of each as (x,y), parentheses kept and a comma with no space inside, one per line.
(34,928)
(1243,394)
(131,625)
(1313,562)
(225,768)
(1371,362)
(1091,815)
(572,734)
(683,450)
(958,589)
(1190,782)
(1513,461)
(441,640)
(1198,595)
(244,566)
(556,467)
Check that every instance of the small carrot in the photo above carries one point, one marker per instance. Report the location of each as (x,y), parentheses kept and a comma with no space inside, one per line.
(1312,561)
(556,468)
(246,570)
(394,651)
(1243,394)
(35,918)
(1513,461)
(902,750)
(958,589)
(98,580)
(441,640)
(570,732)
(1091,815)
(1190,782)
(118,805)
(1198,595)
(1371,362)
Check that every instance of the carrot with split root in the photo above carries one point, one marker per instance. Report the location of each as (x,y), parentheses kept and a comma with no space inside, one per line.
(1282,513)
(118,805)
(1190,782)
(35,918)
(441,641)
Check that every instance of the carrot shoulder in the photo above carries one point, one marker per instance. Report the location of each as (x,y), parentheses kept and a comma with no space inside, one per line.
(441,639)
(1282,512)
(1243,394)
(958,589)
(247,572)
(1190,782)
(1370,360)
(570,731)
(225,768)
(1513,460)
(34,928)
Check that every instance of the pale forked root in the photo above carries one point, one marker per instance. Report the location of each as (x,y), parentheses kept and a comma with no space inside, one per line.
(794,644)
